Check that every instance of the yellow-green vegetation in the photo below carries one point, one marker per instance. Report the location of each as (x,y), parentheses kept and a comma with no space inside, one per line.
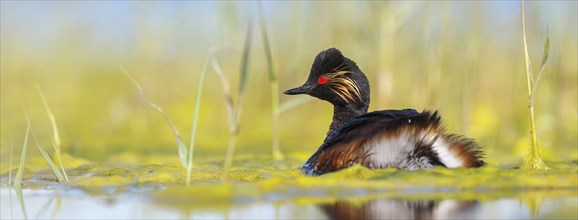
(256,178)
(462,58)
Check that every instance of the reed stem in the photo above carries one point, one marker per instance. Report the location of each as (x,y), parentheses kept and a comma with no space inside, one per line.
(230,152)
(533,159)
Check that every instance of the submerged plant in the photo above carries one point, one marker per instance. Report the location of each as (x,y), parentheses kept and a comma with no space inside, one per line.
(234,111)
(533,159)
(276,151)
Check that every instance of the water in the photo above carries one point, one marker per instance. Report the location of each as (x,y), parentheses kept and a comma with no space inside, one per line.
(256,189)
(75,204)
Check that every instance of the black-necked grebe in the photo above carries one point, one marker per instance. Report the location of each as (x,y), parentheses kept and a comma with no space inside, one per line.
(404,139)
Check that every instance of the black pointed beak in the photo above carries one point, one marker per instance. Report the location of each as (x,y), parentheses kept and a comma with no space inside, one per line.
(304,89)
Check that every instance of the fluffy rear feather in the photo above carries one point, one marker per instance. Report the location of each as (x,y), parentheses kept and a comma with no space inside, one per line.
(403,139)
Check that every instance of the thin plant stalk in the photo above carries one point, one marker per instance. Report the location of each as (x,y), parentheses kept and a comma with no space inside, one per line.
(244,71)
(182,148)
(58,157)
(276,151)
(196,120)
(235,111)
(54,134)
(47,158)
(230,151)
(532,160)
(51,164)
(231,113)
(229,103)
(20,173)
(52,119)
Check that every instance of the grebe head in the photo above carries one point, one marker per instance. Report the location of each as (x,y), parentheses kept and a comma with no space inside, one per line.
(336,79)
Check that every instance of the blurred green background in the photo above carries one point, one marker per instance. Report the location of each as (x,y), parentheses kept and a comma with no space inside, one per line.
(463,58)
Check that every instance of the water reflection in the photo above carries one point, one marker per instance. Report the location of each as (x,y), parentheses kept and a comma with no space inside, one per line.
(400,209)
(75,204)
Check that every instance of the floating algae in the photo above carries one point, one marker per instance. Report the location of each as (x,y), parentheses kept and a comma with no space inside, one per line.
(254,180)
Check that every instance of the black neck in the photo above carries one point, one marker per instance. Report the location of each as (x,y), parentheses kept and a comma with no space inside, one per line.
(342,114)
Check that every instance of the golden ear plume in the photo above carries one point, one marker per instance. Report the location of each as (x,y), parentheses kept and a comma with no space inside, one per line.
(343,86)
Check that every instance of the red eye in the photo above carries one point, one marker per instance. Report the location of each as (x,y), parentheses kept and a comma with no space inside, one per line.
(322,80)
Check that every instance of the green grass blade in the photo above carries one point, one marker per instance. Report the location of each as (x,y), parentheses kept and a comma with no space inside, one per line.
(196,119)
(20,173)
(53,166)
(58,157)
(542,64)
(233,123)
(229,103)
(245,60)
(546,50)
(244,72)
(47,158)
(182,148)
(54,134)
(52,119)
